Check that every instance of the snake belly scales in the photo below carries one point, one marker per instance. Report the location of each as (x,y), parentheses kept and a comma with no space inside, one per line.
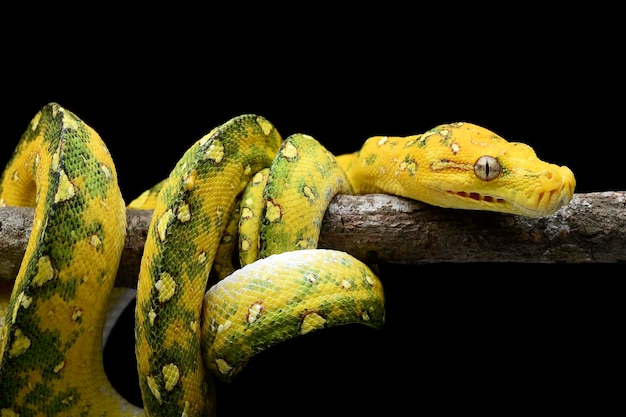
(241,189)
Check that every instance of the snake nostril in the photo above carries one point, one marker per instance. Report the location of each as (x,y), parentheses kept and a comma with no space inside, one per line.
(549,175)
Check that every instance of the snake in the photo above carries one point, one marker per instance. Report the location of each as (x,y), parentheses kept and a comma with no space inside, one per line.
(230,265)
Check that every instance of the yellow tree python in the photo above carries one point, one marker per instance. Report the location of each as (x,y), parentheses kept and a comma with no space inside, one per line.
(230,265)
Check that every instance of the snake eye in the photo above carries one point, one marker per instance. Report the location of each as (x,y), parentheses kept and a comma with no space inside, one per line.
(487,168)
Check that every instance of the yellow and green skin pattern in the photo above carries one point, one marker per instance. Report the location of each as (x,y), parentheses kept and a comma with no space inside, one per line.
(283,207)
(190,215)
(50,351)
(281,296)
(286,204)
(275,298)
(222,151)
(173,274)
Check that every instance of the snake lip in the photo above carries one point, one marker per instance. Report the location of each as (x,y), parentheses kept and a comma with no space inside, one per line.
(478,197)
(545,203)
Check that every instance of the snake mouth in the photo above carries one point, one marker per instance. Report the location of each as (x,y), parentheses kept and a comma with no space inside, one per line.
(479,197)
(543,203)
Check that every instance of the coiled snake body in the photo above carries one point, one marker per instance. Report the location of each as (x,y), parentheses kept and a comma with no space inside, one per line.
(239,188)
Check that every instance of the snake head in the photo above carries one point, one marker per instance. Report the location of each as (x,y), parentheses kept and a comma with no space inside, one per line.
(463,166)
(471,167)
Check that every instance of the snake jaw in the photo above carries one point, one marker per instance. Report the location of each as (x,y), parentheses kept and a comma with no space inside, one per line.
(478,197)
(474,200)
(548,191)
(485,202)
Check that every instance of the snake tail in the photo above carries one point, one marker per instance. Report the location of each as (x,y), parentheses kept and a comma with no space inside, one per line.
(189,218)
(284,296)
(50,351)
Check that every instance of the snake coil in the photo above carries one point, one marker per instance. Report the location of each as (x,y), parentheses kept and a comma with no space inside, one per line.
(240,192)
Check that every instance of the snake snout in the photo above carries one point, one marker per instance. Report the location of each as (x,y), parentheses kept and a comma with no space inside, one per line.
(558,184)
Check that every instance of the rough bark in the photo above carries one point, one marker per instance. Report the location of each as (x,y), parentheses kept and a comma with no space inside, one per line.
(387,229)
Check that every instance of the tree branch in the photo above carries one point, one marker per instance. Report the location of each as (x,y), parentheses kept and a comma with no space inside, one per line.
(387,229)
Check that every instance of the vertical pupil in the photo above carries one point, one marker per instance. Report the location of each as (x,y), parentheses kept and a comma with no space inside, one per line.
(487,169)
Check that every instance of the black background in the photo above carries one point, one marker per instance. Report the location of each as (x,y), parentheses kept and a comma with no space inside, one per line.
(488,338)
